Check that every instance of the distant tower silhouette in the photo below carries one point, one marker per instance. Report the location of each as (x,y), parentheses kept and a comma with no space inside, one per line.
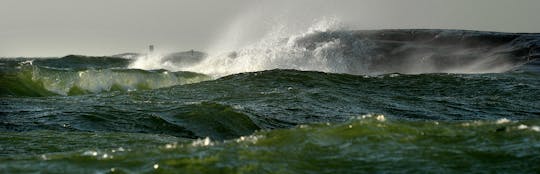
(151,49)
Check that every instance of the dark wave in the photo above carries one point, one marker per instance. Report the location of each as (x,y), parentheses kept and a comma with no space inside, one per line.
(200,120)
(212,120)
(284,98)
(423,51)
(321,97)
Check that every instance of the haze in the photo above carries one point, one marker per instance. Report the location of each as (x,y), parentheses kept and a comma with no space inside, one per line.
(105,27)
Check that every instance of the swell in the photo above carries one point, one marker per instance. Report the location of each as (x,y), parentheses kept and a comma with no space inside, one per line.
(281,98)
(367,143)
(33,80)
(284,98)
(241,104)
(320,97)
(199,120)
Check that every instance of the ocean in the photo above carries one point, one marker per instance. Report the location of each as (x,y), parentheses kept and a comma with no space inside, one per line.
(332,101)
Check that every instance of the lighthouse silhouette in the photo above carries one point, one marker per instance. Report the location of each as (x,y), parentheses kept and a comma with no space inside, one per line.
(151,49)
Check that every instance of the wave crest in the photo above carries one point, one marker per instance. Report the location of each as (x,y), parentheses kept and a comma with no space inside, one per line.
(33,80)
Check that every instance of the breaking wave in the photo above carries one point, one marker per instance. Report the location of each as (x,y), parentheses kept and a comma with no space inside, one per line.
(32,80)
(329,47)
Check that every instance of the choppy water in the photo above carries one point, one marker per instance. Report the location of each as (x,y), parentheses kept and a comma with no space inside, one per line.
(98,115)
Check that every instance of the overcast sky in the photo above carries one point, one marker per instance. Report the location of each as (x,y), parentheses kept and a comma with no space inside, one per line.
(106,27)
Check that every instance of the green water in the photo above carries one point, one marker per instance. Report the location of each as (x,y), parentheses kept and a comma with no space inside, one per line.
(358,145)
(97,116)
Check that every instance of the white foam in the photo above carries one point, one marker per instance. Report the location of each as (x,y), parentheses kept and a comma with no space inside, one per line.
(283,48)
(202,142)
(378,117)
(171,145)
(250,139)
(521,126)
(503,121)
(149,62)
(90,153)
(278,49)
(28,62)
(535,128)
